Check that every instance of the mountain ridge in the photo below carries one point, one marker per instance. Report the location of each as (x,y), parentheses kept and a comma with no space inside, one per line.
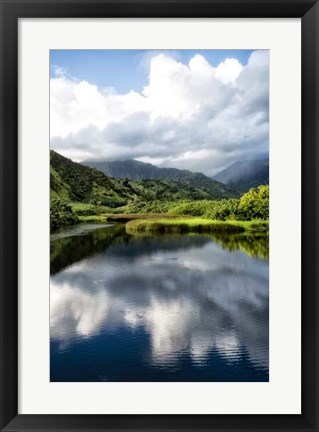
(243,175)
(136,170)
(72,181)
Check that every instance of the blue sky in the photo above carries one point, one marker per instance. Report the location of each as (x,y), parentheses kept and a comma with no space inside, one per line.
(127,69)
(200,110)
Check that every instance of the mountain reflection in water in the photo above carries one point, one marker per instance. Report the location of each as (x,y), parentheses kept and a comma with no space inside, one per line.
(166,308)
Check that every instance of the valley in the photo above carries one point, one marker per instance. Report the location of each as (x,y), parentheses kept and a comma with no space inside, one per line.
(80,193)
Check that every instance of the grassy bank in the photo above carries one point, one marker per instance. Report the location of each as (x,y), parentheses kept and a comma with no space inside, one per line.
(93,218)
(123,218)
(198,225)
(196,215)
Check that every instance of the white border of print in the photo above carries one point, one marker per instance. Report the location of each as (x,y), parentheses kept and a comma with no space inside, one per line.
(282,395)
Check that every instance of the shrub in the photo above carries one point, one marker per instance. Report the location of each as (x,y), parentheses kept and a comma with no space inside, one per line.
(254,204)
(61,214)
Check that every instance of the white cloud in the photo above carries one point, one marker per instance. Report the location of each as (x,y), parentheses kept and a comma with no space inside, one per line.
(59,71)
(228,70)
(218,114)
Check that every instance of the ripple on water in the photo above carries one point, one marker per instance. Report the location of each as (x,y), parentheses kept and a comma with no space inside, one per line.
(181,308)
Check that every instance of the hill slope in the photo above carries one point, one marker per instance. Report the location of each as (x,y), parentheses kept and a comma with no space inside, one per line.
(136,170)
(244,175)
(78,183)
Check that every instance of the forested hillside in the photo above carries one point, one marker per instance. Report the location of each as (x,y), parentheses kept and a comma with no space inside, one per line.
(79,191)
(136,170)
(75,182)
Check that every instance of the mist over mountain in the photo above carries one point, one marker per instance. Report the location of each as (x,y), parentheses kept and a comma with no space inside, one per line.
(135,170)
(75,182)
(244,175)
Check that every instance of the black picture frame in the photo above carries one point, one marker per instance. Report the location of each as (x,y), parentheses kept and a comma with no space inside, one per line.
(11,11)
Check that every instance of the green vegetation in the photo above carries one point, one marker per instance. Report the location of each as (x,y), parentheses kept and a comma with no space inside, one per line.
(61,214)
(137,170)
(83,209)
(80,193)
(255,204)
(252,205)
(129,217)
(93,218)
(123,218)
(199,225)
(78,183)
(74,182)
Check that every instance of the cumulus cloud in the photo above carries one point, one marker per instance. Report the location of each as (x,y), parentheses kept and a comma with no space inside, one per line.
(193,116)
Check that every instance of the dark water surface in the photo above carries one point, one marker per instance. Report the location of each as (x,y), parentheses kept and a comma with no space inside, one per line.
(158,308)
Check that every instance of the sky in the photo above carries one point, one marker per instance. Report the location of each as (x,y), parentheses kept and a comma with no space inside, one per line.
(200,110)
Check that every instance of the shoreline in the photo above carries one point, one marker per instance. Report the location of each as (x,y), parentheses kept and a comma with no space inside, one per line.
(197,225)
(167,223)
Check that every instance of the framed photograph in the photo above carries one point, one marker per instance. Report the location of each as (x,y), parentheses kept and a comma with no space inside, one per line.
(159,183)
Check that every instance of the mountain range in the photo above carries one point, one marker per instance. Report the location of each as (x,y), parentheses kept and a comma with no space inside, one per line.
(77,182)
(136,170)
(244,175)
(240,176)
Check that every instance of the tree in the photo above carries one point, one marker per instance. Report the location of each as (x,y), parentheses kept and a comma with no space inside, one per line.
(254,204)
(61,214)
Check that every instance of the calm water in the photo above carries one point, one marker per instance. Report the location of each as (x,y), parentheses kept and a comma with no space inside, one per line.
(162,308)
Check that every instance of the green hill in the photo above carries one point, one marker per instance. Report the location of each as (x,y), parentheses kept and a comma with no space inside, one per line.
(75,182)
(136,170)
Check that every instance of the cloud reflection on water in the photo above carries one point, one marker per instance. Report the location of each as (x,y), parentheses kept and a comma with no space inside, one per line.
(189,300)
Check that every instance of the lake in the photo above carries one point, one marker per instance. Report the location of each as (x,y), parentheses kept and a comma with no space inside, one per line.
(158,308)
